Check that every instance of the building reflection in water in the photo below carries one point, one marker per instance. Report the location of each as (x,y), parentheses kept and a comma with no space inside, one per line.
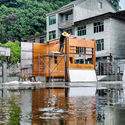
(60,106)
(110,106)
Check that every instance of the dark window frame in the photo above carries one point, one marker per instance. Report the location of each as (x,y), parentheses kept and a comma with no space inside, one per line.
(52,34)
(81,30)
(52,20)
(98,26)
(99,44)
(79,50)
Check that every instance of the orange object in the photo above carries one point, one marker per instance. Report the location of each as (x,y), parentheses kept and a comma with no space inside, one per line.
(78,53)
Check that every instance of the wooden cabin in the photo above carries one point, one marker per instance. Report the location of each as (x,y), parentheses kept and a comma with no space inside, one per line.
(48,62)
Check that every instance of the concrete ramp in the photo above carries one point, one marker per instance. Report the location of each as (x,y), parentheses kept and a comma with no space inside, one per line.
(82,75)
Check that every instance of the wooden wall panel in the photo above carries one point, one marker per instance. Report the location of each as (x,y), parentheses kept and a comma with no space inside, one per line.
(46,64)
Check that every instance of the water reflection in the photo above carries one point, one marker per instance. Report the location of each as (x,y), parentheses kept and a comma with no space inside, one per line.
(60,107)
(63,106)
(25,104)
(110,105)
(47,104)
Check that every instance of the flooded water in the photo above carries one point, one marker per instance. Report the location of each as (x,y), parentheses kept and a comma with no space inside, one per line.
(62,106)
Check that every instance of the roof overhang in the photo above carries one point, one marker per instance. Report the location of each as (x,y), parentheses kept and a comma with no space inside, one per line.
(120,15)
(62,10)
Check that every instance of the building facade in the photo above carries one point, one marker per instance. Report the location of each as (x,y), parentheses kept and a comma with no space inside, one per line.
(93,19)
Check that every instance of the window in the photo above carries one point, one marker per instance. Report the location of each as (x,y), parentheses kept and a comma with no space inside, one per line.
(81,30)
(68,16)
(79,61)
(100,5)
(84,55)
(52,34)
(100,44)
(79,50)
(42,39)
(98,27)
(55,60)
(52,20)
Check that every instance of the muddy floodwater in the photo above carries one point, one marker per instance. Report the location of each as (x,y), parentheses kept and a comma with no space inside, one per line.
(62,106)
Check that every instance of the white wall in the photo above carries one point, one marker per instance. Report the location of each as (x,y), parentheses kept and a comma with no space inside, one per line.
(101,35)
(118,38)
(52,27)
(26,54)
(90,8)
(113,34)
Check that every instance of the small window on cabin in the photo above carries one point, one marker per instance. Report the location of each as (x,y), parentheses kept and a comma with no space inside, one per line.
(71,59)
(55,60)
(79,61)
(79,50)
(100,5)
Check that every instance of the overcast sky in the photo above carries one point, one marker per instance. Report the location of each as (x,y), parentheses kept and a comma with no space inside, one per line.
(122,4)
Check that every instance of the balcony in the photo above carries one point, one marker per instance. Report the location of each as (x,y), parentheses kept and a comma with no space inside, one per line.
(66,20)
(66,24)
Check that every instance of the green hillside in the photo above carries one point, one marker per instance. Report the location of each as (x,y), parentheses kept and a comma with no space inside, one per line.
(22,18)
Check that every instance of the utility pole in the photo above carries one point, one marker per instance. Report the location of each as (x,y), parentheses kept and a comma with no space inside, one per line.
(6,53)
(4,72)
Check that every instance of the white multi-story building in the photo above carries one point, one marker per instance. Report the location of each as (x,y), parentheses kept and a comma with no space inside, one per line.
(93,19)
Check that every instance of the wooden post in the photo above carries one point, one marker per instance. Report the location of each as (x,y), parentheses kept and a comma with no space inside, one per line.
(66,56)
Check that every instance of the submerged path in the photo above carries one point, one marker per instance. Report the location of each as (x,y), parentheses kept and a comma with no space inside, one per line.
(36,85)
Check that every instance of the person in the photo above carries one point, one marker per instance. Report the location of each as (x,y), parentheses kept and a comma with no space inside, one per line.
(62,40)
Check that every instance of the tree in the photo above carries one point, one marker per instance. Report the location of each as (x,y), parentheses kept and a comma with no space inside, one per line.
(115,4)
(22,18)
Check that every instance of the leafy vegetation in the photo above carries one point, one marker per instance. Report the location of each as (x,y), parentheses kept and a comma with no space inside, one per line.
(22,18)
(14,54)
(14,114)
(115,3)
